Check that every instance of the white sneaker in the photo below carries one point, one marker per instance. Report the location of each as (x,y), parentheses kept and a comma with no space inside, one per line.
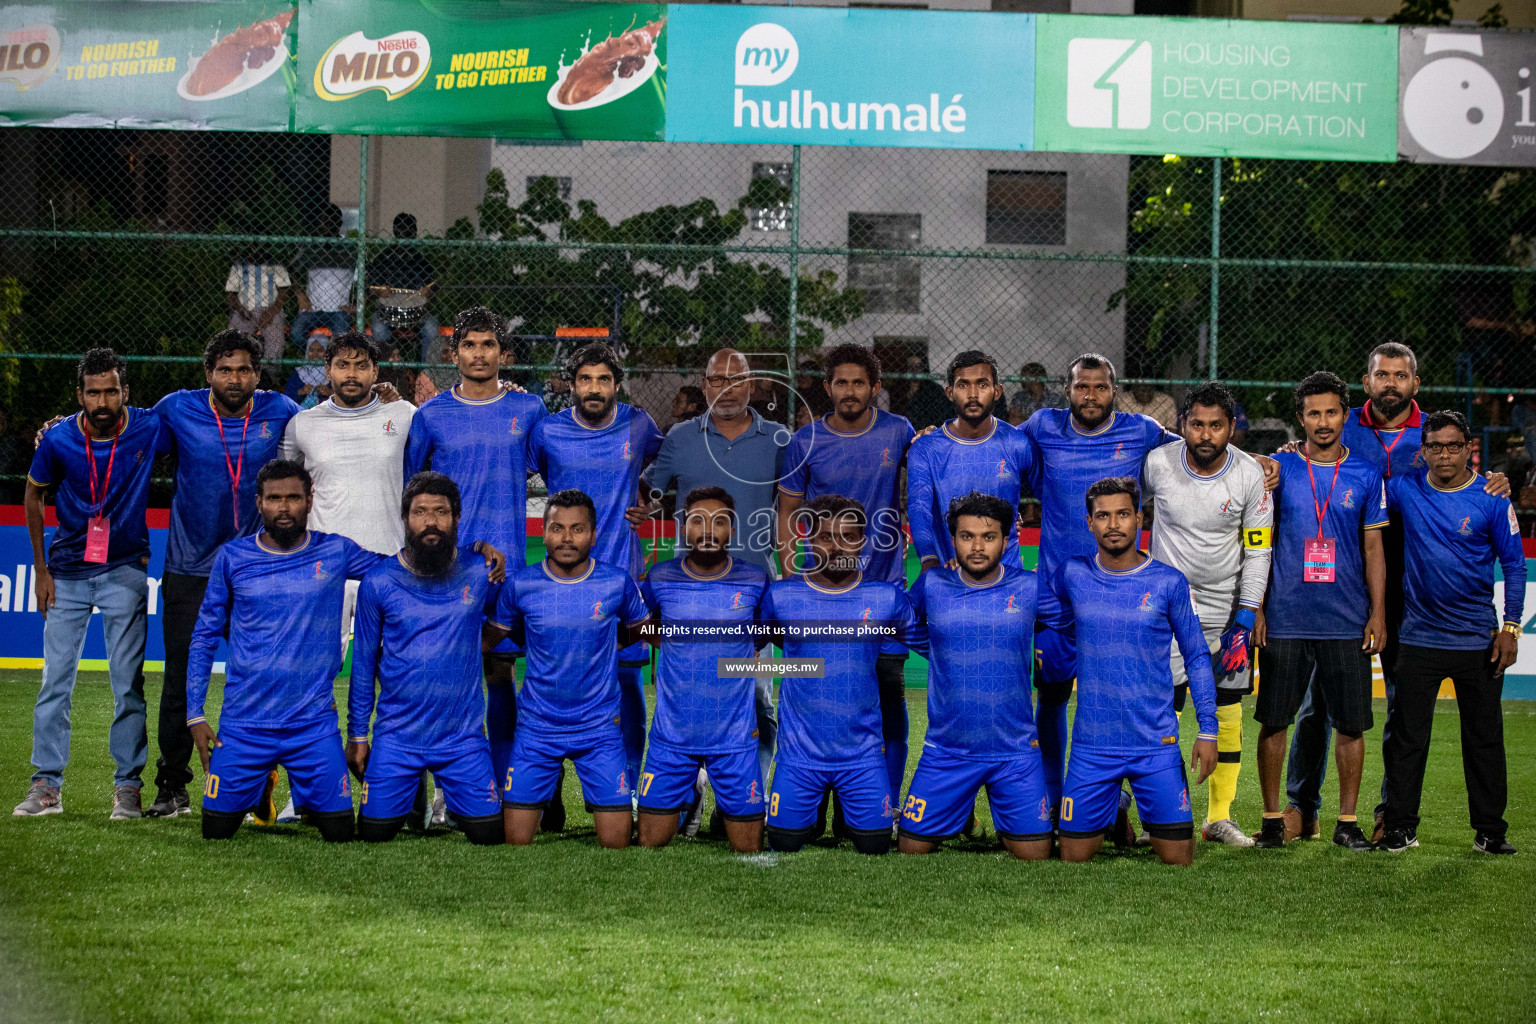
(288,816)
(1224,831)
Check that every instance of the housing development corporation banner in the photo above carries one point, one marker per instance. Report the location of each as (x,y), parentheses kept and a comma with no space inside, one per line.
(849,77)
(148,65)
(534,70)
(555,69)
(1208,87)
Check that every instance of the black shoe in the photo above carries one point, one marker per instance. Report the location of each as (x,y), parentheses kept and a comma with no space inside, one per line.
(169,803)
(1348,835)
(420,818)
(1123,835)
(1271,834)
(716,825)
(1396,840)
(1485,843)
(554,815)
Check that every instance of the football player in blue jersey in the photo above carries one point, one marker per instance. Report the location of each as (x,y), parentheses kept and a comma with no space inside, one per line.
(600,446)
(1073,448)
(979,621)
(417,632)
(1126,610)
(830,722)
(974,452)
(279,595)
(857,451)
(572,612)
(703,719)
(477,433)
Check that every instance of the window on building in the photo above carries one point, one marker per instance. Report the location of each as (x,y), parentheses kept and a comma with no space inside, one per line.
(562,185)
(1027,207)
(768,196)
(891,284)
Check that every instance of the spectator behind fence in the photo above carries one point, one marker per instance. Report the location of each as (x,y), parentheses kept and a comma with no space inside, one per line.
(1033,395)
(256,293)
(1150,402)
(306,382)
(404,268)
(926,403)
(686,404)
(323,275)
(433,380)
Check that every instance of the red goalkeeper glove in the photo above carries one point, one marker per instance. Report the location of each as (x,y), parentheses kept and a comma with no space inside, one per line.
(1233,656)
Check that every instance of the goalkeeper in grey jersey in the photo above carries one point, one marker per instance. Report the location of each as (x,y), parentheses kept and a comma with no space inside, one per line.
(1211,521)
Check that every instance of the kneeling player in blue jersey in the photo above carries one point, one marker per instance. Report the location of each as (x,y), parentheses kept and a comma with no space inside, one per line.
(829,722)
(1125,610)
(569,611)
(417,630)
(980,626)
(704,719)
(279,594)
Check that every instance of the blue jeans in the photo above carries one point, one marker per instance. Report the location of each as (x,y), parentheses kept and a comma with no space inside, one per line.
(122,596)
(307,321)
(431,342)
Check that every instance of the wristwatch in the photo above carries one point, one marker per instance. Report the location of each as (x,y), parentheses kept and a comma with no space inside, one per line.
(1512,628)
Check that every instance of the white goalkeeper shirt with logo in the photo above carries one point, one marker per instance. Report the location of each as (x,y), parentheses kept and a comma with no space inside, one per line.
(1214,529)
(357,459)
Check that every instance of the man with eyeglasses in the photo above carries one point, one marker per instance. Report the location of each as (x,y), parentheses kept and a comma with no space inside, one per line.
(1452,533)
(730,446)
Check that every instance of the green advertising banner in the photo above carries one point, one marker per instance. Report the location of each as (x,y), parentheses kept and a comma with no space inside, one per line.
(1207,87)
(136,65)
(534,70)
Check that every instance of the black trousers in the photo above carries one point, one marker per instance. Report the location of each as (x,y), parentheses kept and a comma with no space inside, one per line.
(180,598)
(1406,750)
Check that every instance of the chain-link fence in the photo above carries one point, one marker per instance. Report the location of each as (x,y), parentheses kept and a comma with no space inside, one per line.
(1258,271)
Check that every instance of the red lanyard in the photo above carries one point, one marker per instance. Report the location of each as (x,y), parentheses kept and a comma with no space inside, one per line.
(238,465)
(1322,509)
(1387,448)
(90,456)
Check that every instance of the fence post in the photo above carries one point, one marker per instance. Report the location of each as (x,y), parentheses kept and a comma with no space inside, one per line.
(362,229)
(1215,261)
(794,281)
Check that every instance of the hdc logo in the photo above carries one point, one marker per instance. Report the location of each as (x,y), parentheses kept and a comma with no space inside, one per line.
(1109,83)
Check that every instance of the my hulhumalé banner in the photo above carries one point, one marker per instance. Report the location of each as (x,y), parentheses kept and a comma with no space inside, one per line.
(225,64)
(1209,87)
(850,77)
(533,70)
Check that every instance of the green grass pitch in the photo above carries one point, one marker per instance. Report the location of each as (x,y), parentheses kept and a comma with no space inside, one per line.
(143,921)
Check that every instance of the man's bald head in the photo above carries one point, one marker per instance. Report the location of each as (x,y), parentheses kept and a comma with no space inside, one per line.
(727,384)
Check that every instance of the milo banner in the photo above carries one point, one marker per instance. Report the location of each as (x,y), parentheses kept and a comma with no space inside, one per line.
(847,77)
(148,65)
(1466,97)
(1208,87)
(535,70)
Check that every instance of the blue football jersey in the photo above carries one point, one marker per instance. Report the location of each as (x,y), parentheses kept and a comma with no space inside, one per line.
(571,629)
(864,465)
(420,637)
(123,465)
(1125,624)
(697,711)
(211,451)
(942,466)
(1451,539)
(1356,502)
(834,721)
(1068,461)
(283,613)
(604,462)
(981,654)
(483,447)
(1394,452)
